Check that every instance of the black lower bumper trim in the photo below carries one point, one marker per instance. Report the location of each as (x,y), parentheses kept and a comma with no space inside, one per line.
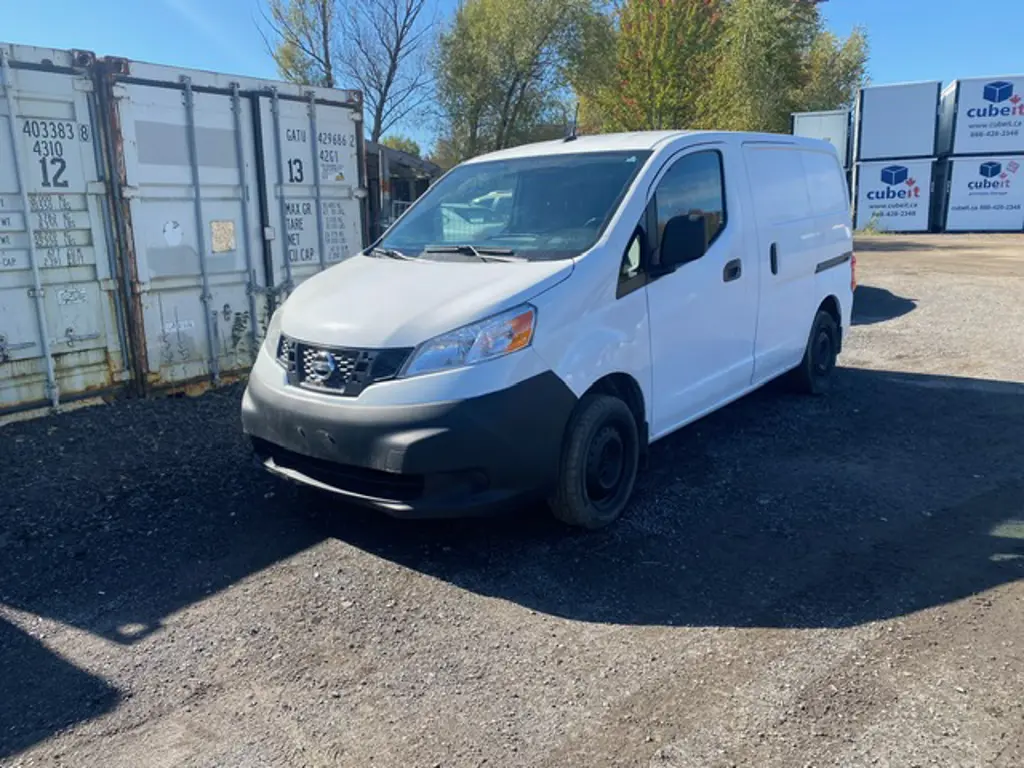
(433,460)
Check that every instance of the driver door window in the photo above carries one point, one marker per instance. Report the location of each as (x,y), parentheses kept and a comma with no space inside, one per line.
(693,187)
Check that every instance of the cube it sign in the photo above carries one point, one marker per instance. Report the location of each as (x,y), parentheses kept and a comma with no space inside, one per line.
(894,197)
(986,194)
(991,117)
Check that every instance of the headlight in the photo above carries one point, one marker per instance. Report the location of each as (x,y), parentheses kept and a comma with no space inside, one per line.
(273,338)
(494,337)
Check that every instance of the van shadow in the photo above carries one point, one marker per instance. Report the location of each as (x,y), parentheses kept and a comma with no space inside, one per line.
(878,305)
(895,494)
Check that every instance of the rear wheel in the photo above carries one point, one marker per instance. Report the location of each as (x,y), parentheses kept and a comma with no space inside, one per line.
(600,457)
(814,375)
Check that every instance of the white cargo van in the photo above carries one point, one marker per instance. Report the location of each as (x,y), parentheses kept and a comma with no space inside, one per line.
(627,285)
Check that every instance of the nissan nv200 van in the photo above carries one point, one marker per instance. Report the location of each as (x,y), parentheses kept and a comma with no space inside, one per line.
(543,314)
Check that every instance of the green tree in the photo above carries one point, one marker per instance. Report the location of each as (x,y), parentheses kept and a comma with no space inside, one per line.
(402,144)
(761,68)
(502,69)
(303,46)
(663,54)
(777,58)
(834,71)
(728,64)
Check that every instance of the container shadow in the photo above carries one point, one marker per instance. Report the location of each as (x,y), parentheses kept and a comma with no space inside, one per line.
(111,519)
(878,305)
(34,677)
(896,494)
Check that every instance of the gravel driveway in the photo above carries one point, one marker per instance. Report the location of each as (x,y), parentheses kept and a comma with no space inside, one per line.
(800,582)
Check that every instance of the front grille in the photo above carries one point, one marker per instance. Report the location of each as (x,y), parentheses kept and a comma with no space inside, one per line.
(338,370)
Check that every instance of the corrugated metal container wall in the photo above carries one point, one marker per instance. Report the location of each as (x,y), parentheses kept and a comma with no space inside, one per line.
(151,217)
(61,334)
(832,126)
(277,174)
(315,188)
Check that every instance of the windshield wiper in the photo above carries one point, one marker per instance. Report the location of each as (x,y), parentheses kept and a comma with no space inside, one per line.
(484,253)
(390,253)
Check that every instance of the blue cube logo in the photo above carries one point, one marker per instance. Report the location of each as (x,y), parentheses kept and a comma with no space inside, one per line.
(998,91)
(990,169)
(894,174)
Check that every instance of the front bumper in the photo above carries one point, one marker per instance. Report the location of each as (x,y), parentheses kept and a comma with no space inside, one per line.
(444,459)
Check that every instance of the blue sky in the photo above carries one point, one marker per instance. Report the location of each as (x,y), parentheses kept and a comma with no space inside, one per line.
(910,39)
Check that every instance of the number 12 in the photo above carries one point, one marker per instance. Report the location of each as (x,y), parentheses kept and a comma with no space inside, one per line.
(59,165)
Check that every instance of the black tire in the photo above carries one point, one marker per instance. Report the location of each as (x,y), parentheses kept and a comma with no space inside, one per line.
(814,374)
(598,467)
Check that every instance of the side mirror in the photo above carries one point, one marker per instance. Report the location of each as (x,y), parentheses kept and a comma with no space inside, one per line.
(684,240)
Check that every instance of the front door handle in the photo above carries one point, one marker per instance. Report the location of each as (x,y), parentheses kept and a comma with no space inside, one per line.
(773,255)
(732,271)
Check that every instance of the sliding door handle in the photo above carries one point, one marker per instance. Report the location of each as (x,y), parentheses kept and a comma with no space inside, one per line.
(732,271)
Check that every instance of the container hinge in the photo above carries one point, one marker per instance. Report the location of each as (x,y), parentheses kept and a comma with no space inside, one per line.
(140,287)
(120,376)
(119,91)
(361,193)
(108,284)
(36,293)
(83,84)
(96,188)
(205,296)
(357,117)
(269,234)
(128,192)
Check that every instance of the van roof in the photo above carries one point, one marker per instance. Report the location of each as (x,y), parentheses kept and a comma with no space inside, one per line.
(637,140)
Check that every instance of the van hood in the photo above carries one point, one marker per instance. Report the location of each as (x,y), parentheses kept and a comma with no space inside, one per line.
(373,302)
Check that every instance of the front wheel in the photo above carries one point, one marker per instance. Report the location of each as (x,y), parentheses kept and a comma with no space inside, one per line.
(814,375)
(600,457)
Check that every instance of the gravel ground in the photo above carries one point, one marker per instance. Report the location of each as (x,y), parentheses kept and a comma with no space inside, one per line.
(800,582)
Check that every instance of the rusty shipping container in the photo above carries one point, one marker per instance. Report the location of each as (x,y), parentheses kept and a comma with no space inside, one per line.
(151,217)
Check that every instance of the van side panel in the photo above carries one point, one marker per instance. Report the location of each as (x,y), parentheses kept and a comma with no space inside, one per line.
(830,203)
(791,243)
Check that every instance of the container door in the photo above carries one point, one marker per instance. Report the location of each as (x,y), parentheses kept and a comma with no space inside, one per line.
(60,329)
(311,159)
(190,178)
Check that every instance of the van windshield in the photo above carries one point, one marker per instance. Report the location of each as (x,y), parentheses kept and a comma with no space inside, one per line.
(535,208)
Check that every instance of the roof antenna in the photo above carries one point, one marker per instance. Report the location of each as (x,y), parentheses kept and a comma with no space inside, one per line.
(571,135)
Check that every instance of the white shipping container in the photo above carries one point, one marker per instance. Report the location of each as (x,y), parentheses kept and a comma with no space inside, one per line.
(151,217)
(833,127)
(982,115)
(985,194)
(894,196)
(207,263)
(61,330)
(896,121)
